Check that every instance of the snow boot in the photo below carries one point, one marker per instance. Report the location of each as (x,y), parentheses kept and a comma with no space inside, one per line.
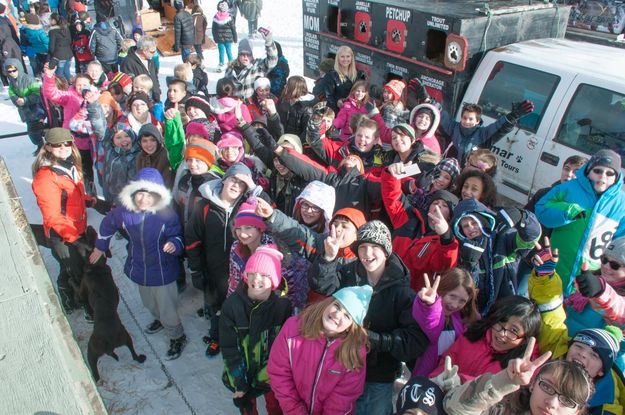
(176,346)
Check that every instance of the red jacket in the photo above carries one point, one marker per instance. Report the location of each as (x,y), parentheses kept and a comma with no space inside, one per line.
(62,202)
(307,379)
(421,251)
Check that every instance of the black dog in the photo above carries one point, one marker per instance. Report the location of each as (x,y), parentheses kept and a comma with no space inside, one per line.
(99,293)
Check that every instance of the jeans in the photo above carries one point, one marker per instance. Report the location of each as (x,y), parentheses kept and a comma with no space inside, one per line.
(376,399)
(198,51)
(35,132)
(63,68)
(184,53)
(252,26)
(224,48)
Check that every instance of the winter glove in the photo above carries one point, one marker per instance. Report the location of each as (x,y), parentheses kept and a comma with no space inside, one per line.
(510,216)
(470,253)
(448,378)
(102,206)
(590,285)
(549,261)
(244,403)
(371,108)
(420,93)
(520,109)
(380,342)
(198,279)
(175,48)
(268,36)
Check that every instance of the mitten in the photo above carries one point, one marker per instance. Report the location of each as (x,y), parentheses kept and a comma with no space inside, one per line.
(381,342)
(470,252)
(519,109)
(420,93)
(319,109)
(448,378)
(102,206)
(590,285)
(510,216)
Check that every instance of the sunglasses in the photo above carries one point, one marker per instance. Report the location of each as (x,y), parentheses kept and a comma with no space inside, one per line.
(11,70)
(613,264)
(59,145)
(608,172)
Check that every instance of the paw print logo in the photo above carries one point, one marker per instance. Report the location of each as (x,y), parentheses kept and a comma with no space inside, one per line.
(454,53)
(363,27)
(396,35)
(519,159)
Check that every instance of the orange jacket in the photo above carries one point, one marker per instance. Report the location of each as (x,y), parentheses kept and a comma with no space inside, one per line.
(62,201)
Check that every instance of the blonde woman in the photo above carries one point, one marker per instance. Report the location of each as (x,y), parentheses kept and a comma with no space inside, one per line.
(341,78)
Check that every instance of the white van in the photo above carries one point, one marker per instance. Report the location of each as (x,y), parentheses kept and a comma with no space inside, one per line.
(578,90)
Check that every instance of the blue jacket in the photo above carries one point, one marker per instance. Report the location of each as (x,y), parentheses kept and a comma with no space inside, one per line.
(37,38)
(495,273)
(148,232)
(465,139)
(581,236)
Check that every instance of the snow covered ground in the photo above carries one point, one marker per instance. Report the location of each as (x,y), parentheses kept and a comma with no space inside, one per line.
(192,384)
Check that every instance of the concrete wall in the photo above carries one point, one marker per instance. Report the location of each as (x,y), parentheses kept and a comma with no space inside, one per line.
(41,367)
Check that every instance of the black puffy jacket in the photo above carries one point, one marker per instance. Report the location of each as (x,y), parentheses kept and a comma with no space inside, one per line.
(184,31)
(224,30)
(60,46)
(390,311)
(294,117)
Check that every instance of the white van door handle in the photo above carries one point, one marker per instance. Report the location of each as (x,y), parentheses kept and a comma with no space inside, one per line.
(549,158)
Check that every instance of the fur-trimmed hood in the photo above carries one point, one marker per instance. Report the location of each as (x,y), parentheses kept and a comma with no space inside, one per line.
(435,121)
(148,180)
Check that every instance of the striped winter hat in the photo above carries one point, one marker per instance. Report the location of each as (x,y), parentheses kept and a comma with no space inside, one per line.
(605,342)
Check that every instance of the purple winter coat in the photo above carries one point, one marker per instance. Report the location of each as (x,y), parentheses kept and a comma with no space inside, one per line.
(431,319)
(148,232)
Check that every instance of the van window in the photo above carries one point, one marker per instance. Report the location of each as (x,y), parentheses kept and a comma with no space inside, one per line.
(595,119)
(508,83)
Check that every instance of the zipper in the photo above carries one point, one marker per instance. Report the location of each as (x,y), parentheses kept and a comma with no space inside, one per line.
(145,273)
(318,375)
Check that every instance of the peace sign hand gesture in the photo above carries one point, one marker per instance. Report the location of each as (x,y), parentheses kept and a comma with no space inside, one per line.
(449,378)
(521,370)
(428,293)
(439,224)
(332,244)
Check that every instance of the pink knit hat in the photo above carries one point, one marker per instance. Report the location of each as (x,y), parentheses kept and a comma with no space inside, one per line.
(197,128)
(229,140)
(246,216)
(266,260)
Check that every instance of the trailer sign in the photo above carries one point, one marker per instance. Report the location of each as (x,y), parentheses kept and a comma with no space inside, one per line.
(437,23)
(397,14)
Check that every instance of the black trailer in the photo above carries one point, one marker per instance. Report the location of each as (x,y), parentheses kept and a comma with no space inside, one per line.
(440,42)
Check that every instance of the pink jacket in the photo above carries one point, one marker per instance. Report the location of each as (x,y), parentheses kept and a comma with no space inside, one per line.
(473,359)
(70,100)
(610,305)
(306,378)
(224,110)
(341,122)
(431,319)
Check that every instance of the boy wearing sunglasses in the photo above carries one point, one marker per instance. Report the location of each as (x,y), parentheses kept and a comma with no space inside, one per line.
(585,213)
(24,92)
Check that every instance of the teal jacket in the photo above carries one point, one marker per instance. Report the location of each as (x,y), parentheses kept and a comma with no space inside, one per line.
(581,236)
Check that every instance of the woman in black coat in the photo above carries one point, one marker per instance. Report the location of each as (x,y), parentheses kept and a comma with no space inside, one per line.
(60,47)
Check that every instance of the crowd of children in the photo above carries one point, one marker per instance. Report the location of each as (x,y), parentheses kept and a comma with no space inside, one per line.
(335,239)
